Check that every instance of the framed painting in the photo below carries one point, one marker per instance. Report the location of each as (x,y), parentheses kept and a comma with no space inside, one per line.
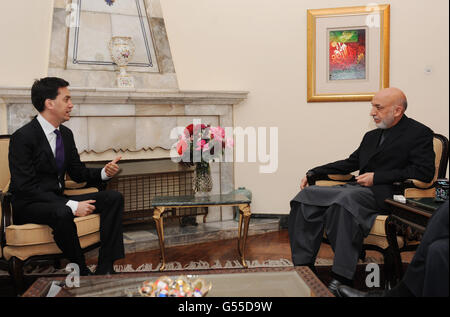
(348,53)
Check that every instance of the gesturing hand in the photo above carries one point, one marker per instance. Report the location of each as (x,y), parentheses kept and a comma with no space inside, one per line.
(112,168)
(303,183)
(365,179)
(85,208)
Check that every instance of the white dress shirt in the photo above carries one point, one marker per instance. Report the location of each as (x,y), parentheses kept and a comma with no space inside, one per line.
(51,137)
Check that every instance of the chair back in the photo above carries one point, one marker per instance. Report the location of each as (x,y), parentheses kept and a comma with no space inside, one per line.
(4,175)
(440,144)
(4,163)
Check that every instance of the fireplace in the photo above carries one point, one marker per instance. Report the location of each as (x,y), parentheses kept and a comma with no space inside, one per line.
(133,123)
(136,124)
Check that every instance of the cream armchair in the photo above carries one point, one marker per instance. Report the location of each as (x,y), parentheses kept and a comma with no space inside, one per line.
(23,244)
(411,188)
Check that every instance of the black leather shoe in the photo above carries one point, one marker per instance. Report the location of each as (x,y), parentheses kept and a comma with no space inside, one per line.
(333,287)
(347,291)
(85,271)
(105,270)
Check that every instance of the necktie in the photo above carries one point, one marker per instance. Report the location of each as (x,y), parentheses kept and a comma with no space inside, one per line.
(59,152)
(384,133)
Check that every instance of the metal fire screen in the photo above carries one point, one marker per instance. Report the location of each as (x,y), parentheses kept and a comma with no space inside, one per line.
(139,190)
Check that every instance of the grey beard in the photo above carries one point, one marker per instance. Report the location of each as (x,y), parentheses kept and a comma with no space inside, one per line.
(381,125)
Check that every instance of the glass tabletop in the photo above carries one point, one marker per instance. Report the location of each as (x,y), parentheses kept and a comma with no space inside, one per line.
(429,204)
(219,199)
(252,282)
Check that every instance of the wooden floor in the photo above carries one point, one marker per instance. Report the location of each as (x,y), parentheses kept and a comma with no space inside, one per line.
(269,246)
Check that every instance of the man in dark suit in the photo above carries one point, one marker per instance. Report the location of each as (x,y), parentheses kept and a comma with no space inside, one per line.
(40,154)
(399,149)
(427,274)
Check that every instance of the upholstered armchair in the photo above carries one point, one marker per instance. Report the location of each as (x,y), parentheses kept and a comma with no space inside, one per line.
(411,188)
(23,244)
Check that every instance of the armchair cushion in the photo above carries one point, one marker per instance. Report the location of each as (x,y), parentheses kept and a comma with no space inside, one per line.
(329,183)
(34,234)
(24,252)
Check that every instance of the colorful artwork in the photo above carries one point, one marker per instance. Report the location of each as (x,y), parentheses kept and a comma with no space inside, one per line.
(347,54)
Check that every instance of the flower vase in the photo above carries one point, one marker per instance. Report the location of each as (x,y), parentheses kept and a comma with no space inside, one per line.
(202,182)
(122,50)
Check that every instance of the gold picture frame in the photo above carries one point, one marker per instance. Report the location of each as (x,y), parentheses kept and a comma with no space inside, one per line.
(370,69)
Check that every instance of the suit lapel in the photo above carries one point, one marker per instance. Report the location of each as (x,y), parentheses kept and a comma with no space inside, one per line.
(395,133)
(43,141)
(371,148)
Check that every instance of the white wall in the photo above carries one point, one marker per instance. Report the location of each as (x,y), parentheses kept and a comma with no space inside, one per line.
(260,46)
(25,30)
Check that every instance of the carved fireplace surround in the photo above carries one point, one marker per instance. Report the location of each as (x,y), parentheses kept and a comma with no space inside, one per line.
(136,124)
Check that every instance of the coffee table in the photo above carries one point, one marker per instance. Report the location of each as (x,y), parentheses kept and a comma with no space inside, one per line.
(161,203)
(250,282)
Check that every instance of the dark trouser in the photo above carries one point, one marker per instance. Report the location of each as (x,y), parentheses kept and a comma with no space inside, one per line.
(58,216)
(306,232)
(428,272)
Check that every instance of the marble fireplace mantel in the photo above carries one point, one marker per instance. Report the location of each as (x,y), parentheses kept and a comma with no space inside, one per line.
(134,122)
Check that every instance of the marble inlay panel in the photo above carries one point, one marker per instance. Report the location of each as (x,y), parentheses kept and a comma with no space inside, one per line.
(207,110)
(214,214)
(19,115)
(111,133)
(162,110)
(227,179)
(94,37)
(154,9)
(185,121)
(227,213)
(154,131)
(80,131)
(58,43)
(165,61)
(126,7)
(107,110)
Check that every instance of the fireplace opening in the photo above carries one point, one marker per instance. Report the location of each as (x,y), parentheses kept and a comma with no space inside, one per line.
(139,181)
(139,190)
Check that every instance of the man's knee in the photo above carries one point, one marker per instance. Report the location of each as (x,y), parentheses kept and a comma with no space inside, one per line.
(114,196)
(63,216)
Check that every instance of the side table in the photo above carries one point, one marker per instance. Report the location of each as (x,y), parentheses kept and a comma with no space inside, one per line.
(161,203)
(408,220)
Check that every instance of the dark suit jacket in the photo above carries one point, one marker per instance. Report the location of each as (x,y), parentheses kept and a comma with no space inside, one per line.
(34,176)
(407,152)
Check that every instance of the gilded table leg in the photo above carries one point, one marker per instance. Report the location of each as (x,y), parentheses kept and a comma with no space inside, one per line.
(244,218)
(160,230)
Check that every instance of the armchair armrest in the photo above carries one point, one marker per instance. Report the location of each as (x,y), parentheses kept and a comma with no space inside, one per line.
(411,188)
(73,188)
(6,215)
(313,177)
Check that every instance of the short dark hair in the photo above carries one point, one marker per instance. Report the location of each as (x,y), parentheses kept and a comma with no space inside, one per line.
(46,88)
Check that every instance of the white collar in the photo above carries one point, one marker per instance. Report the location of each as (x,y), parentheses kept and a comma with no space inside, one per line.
(46,126)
